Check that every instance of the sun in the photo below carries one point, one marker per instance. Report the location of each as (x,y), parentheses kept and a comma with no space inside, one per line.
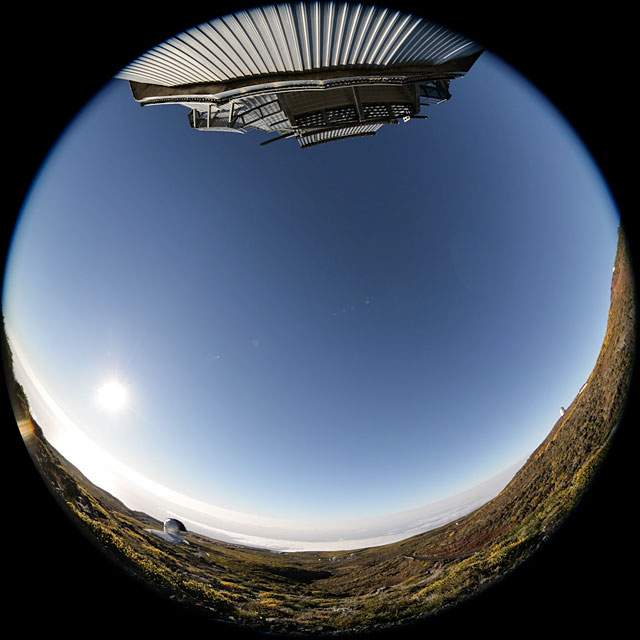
(112,395)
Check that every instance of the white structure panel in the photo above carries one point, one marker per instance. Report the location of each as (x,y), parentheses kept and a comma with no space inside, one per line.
(289,37)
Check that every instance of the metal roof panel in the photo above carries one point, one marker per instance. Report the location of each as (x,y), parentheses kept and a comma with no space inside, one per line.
(296,37)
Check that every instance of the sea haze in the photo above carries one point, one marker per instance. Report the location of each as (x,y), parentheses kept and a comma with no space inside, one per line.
(142,494)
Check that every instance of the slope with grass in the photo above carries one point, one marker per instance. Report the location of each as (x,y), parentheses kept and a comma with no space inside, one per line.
(334,592)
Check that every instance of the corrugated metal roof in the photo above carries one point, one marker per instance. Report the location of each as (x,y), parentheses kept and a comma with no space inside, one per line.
(296,37)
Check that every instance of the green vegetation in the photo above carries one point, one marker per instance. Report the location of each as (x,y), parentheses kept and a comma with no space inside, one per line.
(375,587)
(16,392)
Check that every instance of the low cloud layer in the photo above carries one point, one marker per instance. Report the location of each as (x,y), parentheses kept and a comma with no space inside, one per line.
(289,536)
(141,493)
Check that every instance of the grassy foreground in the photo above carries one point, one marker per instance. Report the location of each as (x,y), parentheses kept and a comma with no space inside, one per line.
(335,592)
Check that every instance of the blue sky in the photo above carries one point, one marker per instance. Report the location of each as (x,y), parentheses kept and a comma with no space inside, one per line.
(346,331)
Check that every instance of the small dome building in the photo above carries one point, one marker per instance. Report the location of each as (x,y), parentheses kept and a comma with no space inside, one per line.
(172,530)
(174,527)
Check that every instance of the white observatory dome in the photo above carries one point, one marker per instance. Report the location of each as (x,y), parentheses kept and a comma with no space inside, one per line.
(174,527)
(173,530)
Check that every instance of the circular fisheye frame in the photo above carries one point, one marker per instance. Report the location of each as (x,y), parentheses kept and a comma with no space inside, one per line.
(355,367)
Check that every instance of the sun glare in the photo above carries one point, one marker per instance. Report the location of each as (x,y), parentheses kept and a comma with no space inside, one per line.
(112,395)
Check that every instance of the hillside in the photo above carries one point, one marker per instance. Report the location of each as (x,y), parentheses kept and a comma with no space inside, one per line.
(334,592)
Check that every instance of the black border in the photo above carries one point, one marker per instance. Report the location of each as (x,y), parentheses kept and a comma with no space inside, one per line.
(58,58)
